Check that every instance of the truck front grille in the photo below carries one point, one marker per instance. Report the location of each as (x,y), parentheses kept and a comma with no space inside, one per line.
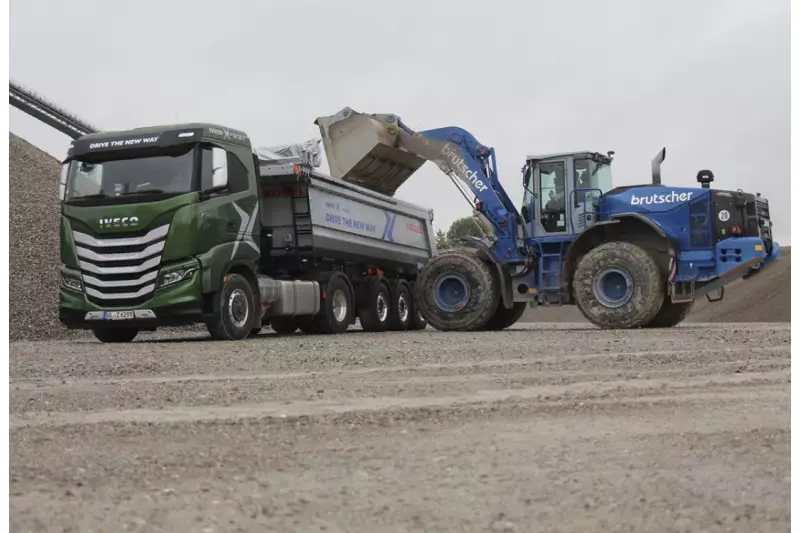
(120,271)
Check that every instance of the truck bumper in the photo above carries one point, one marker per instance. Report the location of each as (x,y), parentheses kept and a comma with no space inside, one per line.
(177,305)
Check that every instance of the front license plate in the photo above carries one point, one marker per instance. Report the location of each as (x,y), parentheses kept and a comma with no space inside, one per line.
(118,315)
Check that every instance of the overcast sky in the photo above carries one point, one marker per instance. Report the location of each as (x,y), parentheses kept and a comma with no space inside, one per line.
(707,79)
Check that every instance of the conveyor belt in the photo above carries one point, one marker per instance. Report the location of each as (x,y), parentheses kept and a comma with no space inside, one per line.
(47,111)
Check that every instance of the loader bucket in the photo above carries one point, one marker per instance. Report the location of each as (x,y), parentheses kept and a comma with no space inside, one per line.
(361,149)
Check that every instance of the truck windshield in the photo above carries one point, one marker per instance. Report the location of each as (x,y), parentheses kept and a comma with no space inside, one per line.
(163,173)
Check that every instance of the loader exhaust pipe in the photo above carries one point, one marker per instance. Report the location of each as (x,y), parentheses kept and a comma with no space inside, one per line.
(656,165)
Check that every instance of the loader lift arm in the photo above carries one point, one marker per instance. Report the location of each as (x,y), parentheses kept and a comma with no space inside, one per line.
(455,151)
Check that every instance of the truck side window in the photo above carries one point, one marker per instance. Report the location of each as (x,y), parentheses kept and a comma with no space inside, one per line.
(237,173)
(552,197)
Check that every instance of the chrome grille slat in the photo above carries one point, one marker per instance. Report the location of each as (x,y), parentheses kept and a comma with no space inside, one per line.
(136,269)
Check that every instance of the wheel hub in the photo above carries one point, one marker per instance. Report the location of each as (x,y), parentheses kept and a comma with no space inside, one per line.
(381,307)
(237,308)
(402,308)
(451,292)
(613,287)
(339,305)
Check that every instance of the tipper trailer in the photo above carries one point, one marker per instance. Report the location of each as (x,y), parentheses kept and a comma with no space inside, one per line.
(181,224)
(628,257)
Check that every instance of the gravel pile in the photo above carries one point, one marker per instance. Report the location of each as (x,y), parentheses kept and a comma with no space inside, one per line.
(34,243)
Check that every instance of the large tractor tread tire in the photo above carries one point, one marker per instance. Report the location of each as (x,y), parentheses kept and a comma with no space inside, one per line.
(601,276)
(457,291)
(234,310)
(336,307)
(400,310)
(115,335)
(374,304)
(671,314)
(505,317)
(283,325)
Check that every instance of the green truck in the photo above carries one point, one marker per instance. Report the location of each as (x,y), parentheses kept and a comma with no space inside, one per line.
(185,224)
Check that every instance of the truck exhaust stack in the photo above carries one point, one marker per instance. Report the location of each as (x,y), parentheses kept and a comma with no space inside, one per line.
(362,149)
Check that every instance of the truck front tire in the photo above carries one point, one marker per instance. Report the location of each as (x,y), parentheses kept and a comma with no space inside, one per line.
(115,334)
(618,285)
(234,310)
(457,291)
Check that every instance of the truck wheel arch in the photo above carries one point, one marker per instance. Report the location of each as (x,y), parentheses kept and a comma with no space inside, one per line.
(629,227)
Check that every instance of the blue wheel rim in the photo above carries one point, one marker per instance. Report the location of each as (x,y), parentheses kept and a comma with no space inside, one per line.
(613,287)
(451,292)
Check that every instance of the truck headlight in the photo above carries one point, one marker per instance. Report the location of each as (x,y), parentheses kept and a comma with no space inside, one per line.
(176,276)
(71,283)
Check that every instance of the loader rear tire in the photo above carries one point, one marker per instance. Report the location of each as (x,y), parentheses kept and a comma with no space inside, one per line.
(457,291)
(618,285)
(505,317)
(671,314)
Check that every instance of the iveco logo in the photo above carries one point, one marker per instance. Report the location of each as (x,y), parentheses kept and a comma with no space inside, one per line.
(119,222)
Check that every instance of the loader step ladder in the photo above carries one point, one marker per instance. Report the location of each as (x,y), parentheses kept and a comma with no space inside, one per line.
(551,261)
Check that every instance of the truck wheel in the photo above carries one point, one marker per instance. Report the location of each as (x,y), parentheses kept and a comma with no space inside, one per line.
(336,308)
(234,310)
(284,325)
(504,317)
(374,304)
(671,314)
(457,291)
(115,334)
(400,311)
(618,285)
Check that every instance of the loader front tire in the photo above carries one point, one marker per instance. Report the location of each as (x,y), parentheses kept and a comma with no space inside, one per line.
(505,317)
(457,291)
(618,285)
(671,314)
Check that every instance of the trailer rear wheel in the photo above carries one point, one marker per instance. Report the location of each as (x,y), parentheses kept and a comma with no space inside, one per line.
(284,325)
(505,317)
(336,307)
(374,304)
(418,321)
(115,334)
(400,311)
(671,314)
(234,310)
(618,285)
(457,291)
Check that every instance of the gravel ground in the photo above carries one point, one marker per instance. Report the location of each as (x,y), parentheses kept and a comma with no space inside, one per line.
(540,428)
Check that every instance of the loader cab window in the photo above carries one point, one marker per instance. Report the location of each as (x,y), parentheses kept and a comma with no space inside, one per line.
(237,173)
(588,174)
(552,196)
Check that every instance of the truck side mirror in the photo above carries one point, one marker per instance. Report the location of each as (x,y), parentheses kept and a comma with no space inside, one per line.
(219,168)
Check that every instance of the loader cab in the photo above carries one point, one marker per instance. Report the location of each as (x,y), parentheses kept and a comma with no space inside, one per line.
(562,191)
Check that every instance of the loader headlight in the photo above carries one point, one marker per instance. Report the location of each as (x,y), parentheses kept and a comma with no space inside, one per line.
(176,276)
(74,284)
